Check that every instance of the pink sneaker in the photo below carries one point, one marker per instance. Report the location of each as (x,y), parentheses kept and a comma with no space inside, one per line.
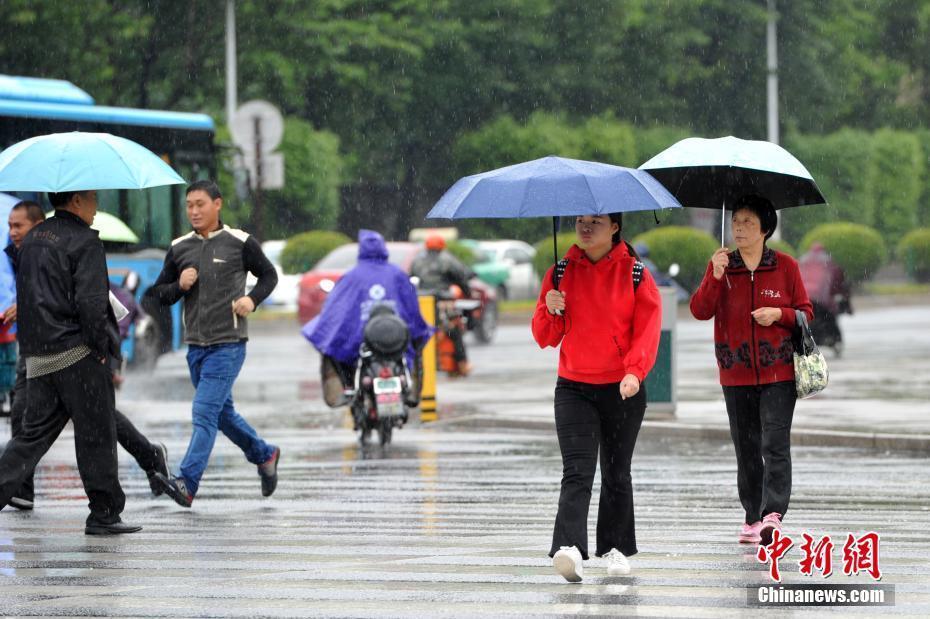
(749,534)
(770,522)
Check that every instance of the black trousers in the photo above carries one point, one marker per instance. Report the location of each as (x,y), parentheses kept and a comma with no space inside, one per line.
(84,394)
(589,419)
(127,435)
(17,414)
(760,426)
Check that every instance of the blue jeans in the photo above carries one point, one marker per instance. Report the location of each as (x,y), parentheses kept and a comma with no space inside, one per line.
(213,371)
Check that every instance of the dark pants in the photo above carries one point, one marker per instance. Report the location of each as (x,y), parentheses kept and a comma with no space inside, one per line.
(760,426)
(17,414)
(589,418)
(82,393)
(128,437)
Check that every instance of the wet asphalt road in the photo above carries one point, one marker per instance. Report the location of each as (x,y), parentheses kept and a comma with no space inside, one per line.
(444,523)
(448,521)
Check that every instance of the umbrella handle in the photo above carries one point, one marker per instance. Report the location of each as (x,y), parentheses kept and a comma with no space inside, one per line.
(723,232)
(555,250)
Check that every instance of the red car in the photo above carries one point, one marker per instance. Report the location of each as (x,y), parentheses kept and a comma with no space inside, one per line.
(317,283)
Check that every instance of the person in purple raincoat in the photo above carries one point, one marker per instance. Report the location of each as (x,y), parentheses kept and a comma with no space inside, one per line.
(337,331)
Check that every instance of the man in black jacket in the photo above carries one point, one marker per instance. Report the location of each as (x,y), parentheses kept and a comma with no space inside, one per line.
(67,332)
(207,268)
(151,457)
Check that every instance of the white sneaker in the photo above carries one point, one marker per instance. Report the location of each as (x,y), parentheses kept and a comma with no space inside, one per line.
(567,562)
(617,564)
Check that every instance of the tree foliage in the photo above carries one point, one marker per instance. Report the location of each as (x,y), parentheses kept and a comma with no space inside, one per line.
(403,83)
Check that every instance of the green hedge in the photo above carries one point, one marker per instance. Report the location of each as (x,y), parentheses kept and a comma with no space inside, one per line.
(304,250)
(543,259)
(859,250)
(689,247)
(914,252)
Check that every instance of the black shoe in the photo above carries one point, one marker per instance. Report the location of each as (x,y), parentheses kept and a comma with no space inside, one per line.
(176,489)
(161,453)
(21,503)
(268,471)
(114,528)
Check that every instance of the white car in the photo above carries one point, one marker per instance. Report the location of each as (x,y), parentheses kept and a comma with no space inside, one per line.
(284,297)
(523,282)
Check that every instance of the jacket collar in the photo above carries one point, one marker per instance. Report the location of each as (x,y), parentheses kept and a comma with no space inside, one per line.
(768,262)
(619,252)
(222,228)
(69,215)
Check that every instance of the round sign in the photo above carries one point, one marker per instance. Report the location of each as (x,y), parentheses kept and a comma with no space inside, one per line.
(261,116)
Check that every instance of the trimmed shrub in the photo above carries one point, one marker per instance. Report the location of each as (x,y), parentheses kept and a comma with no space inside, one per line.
(914,252)
(304,250)
(858,249)
(783,247)
(895,182)
(689,247)
(543,259)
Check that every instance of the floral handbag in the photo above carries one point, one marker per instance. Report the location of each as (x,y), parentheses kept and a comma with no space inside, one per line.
(810,367)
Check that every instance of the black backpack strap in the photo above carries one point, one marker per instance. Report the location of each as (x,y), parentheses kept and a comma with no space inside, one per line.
(637,274)
(558,272)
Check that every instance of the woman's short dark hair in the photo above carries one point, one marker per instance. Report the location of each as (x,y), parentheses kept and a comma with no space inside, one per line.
(761,208)
(206,186)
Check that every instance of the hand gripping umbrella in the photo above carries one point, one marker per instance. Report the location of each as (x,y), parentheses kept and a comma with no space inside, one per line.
(552,187)
(711,173)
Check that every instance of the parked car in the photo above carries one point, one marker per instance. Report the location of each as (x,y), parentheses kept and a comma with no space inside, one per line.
(522,281)
(317,283)
(286,292)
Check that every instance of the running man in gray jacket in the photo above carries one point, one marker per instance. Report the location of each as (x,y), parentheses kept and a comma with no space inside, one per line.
(207,268)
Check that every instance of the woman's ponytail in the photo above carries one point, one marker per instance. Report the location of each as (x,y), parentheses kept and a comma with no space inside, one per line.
(617,218)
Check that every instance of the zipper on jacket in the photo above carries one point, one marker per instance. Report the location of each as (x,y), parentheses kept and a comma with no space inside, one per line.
(200,273)
(752,304)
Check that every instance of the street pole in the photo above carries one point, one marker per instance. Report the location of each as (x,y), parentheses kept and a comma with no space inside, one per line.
(231,94)
(772,84)
(258,215)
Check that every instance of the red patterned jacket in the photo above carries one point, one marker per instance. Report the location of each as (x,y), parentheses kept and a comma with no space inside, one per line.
(747,352)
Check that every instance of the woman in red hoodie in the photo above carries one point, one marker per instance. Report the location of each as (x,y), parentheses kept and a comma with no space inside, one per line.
(608,328)
(752,294)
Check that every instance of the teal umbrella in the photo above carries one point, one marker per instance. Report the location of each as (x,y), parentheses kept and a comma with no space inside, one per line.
(81,161)
(712,173)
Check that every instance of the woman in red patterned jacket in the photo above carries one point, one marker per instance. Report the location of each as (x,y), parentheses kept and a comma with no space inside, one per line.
(752,294)
(607,328)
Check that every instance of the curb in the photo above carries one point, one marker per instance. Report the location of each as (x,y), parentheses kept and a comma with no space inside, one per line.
(669,429)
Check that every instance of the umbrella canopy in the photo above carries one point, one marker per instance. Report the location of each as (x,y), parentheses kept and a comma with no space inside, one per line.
(552,187)
(709,173)
(111,228)
(712,173)
(81,161)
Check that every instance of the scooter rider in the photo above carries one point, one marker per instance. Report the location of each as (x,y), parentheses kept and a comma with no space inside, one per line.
(339,329)
(438,271)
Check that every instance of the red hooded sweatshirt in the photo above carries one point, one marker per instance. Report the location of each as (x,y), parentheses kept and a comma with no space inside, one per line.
(748,353)
(607,331)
